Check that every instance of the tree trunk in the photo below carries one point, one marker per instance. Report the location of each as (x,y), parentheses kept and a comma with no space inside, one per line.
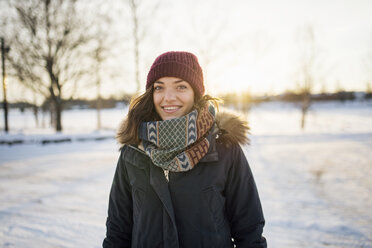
(58,115)
(52,120)
(56,112)
(5,101)
(134,9)
(36,115)
(99,100)
(44,113)
(305,108)
(303,117)
(99,106)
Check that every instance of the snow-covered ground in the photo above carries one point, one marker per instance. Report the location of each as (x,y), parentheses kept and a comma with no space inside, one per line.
(315,185)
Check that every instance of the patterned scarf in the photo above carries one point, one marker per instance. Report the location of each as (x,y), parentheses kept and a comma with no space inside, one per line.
(178,144)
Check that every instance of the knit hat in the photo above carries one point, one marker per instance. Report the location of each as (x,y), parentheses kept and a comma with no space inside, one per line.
(183,65)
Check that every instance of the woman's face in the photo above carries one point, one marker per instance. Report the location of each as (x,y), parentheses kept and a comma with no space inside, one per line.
(173,97)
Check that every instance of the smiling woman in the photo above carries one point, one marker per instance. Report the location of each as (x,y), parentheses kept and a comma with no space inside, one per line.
(182,179)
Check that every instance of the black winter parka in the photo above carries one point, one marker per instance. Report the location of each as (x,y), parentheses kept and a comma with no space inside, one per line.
(216,204)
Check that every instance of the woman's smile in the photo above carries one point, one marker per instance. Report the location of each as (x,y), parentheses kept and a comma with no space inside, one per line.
(171,109)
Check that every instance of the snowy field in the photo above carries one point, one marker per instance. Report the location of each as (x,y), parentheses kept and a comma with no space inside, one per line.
(315,185)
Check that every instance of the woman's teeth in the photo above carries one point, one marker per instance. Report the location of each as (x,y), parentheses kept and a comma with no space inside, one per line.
(170,108)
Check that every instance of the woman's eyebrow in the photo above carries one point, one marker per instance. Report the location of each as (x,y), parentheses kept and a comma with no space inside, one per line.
(178,81)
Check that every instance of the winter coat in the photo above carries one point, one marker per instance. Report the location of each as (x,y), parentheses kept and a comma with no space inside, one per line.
(208,206)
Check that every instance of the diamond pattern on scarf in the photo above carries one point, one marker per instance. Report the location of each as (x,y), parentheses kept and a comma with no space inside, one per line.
(176,128)
(178,144)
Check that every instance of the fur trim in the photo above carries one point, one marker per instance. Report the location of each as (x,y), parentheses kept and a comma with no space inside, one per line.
(120,132)
(233,129)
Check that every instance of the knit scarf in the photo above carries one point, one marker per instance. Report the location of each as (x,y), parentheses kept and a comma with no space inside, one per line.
(178,144)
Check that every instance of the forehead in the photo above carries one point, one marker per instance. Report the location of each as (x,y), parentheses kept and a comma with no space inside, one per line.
(170,80)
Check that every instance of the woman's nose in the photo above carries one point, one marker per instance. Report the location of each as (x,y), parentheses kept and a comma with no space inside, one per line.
(169,95)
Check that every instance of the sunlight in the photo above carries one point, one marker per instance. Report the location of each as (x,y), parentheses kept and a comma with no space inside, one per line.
(252,78)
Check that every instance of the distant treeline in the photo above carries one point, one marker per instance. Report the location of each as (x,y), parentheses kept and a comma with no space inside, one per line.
(338,96)
(110,102)
(243,100)
(247,99)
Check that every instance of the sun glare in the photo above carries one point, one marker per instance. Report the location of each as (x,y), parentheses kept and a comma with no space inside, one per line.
(243,78)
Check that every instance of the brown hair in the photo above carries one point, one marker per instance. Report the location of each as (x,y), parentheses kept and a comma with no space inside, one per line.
(142,109)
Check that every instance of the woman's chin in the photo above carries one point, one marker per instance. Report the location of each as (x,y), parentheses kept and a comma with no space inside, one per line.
(169,116)
(164,118)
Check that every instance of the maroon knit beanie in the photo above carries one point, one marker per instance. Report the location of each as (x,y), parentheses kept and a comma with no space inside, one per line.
(183,65)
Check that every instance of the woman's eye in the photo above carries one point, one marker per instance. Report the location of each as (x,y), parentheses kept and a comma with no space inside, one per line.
(157,88)
(182,87)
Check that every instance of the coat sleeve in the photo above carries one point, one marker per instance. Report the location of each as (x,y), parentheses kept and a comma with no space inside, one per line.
(119,221)
(243,204)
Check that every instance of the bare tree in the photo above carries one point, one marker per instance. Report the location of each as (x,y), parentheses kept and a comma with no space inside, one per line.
(140,12)
(48,50)
(104,43)
(136,39)
(100,54)
(306,68)
(98,58)
(4,50)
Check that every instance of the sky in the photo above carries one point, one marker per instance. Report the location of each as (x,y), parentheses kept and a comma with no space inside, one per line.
(262,46)
(251,45)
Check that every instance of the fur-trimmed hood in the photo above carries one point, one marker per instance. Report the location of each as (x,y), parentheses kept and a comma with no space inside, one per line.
(231,129)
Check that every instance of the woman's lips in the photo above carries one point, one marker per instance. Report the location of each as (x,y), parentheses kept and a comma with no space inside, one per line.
(171,109)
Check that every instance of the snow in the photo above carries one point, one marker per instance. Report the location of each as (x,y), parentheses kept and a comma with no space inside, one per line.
(55,195)
(315,185)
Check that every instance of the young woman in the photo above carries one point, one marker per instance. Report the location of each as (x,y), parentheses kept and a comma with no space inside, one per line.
(182,179)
